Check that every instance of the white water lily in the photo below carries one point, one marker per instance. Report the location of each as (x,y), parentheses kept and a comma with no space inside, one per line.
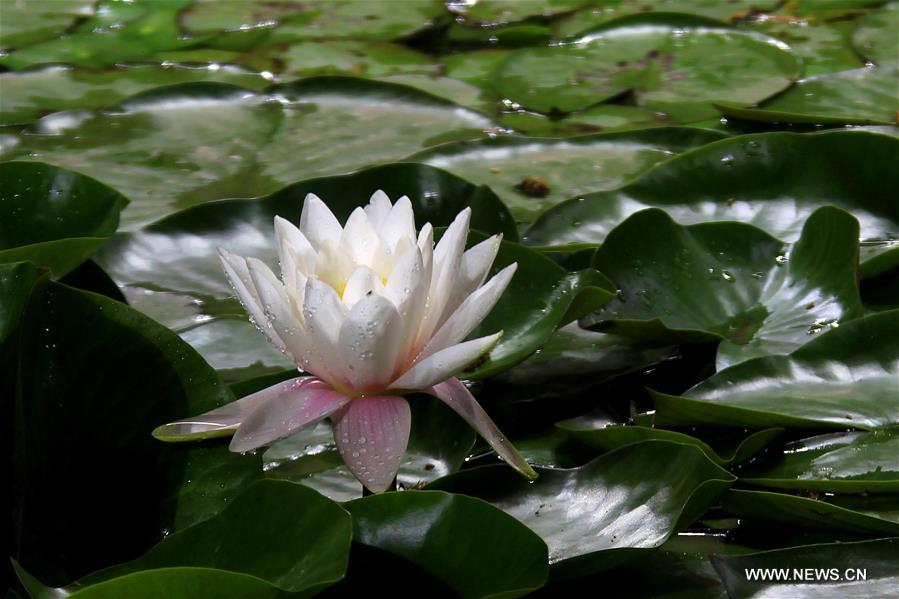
(371,311)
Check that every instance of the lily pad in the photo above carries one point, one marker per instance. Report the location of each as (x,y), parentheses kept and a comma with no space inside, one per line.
(862,96)
(771,180)
(438,444)
(100,377)
(594,516)
(471,546)
(490,13)
(208,141)
(475,67)
(874,515)
(351,57)
(724,447)
(670,66)
(846,377)
(729,281)
(283,538)
(454,90)
(853,462)
(863,569)
(605,117)
(822,44)
(560,169)
(25,24)
(876,36)
(28,95)
(53,217)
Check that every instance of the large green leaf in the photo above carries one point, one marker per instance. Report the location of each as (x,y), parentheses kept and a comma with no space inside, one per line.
(822,44)
(171,270)
(285,539)
(593,516)
(94,378)
(25,24)
(876,36)
(846,377)
(871,515)
(352,57)
(729,281)
(53,217)
(863,569)
(771,180)
(849,462)
(28,95)
(562,168)
(861,96)
(177,146)
(438,444)
(670,64)
(474,548)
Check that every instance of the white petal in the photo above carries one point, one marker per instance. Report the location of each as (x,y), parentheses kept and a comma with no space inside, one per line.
(332,265)
(407,288)
(371,435)
(318,223)
(378,209)
(224,420)
(369,342)
(454,394)
(426,245)
(476,263)
(360,241)
(239,276)
(470,314)
(324,314)
(444,364)
(400,224)
(286,414)
(290,240)
(362,282)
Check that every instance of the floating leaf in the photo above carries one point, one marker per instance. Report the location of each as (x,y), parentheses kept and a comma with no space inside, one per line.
(876,36)
(846,377)
(474,548)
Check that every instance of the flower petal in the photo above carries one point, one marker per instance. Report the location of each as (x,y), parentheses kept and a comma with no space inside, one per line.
(239,275)
(360,283)
(324,314)
(407,288)
(223,421)
(476,263)
(318,223)
(400,224)
(286,413)
(457,396)
(372,434)
(443,364)
(289,238)
(378,209)
(360,241)
(470,314)
(369,342)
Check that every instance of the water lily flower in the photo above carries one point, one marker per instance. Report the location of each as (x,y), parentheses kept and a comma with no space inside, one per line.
(371,312)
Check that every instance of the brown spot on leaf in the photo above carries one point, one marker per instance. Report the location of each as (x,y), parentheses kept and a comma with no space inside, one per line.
(535,187)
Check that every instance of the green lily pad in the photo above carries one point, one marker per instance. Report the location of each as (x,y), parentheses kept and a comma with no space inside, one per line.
(822,45)
(845,377)
(852,462)
(351,57)
(475,67)
(771,180)
(116,34)
(874,515)
(454,90)
(490,13)
(95,377)
(605,117)
(862,96)
(16,282)
(53,217)
(513,35)
(438,444)
(729,281)
(531,175)
(286,540)
(207,141)
(591,16)
(25,24)
(594,516)
(876,36)
(863,569)
(474,548)
(724,447)
(28,95)
(378,19)
(668,65)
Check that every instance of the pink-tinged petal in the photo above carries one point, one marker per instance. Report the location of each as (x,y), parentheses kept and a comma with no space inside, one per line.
(378,209)
(369,343)
(371,435)
(457,396)
(444,364)
(239,275)
(476,263)
(318,223)
(223,421)
(286,413)
(470,314)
